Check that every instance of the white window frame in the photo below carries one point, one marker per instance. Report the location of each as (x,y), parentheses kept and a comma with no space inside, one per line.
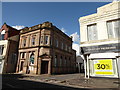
(93,31)
(113,29)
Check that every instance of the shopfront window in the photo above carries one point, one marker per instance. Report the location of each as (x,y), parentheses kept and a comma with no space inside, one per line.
(1,49)
(32,59)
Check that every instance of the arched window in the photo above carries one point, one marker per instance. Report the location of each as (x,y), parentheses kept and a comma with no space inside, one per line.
(32,59)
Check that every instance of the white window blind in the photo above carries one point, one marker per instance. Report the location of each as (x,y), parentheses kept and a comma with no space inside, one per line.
(92,32)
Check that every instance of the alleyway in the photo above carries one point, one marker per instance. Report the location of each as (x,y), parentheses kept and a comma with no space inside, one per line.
(66,81)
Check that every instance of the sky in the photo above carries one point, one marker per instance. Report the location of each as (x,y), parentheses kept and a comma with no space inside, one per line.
(63,15)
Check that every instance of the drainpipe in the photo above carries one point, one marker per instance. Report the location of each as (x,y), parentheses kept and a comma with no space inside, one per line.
(88,68)
(85,67)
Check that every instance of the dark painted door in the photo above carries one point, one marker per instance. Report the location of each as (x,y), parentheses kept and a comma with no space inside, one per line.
(21,67)
(44,67)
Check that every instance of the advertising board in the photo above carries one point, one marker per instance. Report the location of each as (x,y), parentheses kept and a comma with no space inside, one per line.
(103,67)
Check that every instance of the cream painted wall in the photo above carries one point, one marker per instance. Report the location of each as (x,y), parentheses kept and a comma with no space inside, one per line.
(5,43)
(105,13)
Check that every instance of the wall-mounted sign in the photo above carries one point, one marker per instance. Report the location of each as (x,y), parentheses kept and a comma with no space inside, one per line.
(103,67)
(100,48)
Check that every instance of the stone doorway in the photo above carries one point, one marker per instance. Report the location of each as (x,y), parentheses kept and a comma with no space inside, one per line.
(44,67)
(21,65)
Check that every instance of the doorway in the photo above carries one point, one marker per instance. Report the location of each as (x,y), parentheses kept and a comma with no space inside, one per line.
(21,66)
(44,67)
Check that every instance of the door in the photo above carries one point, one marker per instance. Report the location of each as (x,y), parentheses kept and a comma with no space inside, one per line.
(21,66)
(44,67)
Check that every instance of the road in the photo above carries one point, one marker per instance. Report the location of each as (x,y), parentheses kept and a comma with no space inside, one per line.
(13,82)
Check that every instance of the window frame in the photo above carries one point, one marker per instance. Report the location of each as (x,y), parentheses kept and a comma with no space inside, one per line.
(24,41)
(114,34)
(88,35)
(46,39)
(2,49)
(33,43)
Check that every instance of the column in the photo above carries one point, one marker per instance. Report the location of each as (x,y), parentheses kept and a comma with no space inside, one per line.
(88,72)
(49,67)
(18,63)
(85,68)
(39,65)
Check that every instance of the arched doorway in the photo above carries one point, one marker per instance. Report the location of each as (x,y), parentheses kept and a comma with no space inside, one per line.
(31,63)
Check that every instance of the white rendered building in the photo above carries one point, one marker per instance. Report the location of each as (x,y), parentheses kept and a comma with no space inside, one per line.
(100,41)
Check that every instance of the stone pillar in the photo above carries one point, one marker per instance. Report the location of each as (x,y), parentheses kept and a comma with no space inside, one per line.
(26,62)
(36,61)
(18,64)
(49,67)
(39,65)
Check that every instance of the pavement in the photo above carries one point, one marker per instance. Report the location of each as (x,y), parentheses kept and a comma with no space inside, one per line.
(65,80)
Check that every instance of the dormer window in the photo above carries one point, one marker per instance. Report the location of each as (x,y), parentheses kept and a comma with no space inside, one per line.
(2,34)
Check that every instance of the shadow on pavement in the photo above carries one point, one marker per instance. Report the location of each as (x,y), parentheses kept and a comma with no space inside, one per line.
(13,81)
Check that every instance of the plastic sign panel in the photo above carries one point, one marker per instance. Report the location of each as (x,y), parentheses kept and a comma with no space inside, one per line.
(103,67)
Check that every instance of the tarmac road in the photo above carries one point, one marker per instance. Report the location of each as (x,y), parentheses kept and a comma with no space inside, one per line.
(64,82)
(14,83)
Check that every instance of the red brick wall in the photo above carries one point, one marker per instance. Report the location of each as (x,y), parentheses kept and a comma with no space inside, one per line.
(9,31)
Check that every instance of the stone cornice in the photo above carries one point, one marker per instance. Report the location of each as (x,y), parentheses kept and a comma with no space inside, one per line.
(36,27)
(97,17)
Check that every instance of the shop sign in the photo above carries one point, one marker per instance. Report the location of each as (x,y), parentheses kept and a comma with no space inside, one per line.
(100,48)
(103,67)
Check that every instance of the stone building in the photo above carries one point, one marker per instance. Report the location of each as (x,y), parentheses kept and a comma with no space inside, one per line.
(44,49)
(100,46)
(9,42)
(80,64)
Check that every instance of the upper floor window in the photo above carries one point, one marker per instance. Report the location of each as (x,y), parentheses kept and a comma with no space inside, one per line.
(92,32)
(62,45)
(1,49)
(56,42)
(24,42)
(65,61)
(46,39)
(69,49)
(41,41)
(2,34)
(66,47)
(23,55)
(113,28)
(33,40)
